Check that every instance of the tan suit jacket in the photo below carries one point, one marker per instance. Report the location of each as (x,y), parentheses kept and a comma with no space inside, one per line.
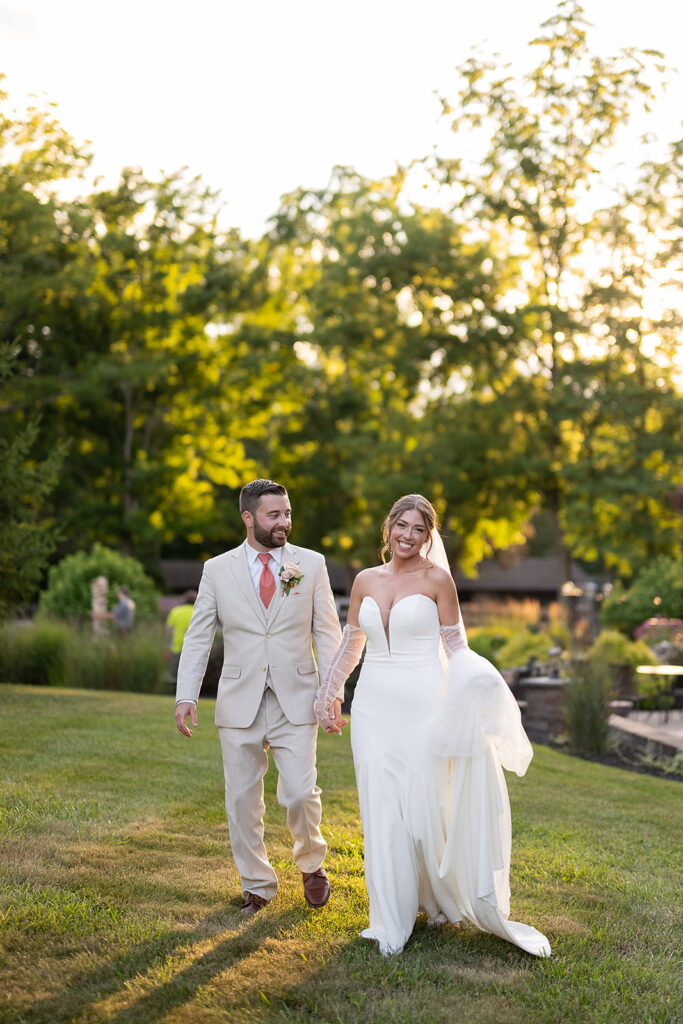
(281,639)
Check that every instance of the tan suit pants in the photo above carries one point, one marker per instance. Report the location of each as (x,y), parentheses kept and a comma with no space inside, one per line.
(245,762)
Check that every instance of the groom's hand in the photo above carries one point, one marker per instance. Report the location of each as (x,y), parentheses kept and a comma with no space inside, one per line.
(185,708)
(335,722)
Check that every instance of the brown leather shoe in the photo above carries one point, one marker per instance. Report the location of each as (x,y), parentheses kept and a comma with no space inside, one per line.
(316,888)
(252,904)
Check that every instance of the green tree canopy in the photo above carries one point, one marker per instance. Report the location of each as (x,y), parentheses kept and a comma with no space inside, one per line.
(27,534)
(582,371)
(500,353)
(657,590)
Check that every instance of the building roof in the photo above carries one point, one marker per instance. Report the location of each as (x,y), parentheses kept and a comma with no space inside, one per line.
(528,576)
(181,574)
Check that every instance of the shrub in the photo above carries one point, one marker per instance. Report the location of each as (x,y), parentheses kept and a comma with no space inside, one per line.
(487,642)
(34,654)
(615,654)
(657,590)
(586,696)
(68,591)
(521,646)
(613,648)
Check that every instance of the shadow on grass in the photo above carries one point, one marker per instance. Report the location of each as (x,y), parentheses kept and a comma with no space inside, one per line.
(444,974)
(107,979)
(459,960)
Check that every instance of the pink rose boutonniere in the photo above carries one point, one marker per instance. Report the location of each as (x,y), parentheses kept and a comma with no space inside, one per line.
(290,574)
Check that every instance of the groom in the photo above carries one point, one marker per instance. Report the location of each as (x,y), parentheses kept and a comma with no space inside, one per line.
(274,604)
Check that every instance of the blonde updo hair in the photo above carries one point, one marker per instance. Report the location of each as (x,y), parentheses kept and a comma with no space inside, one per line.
(408,503)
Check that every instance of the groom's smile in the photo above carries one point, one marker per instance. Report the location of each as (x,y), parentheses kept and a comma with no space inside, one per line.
(272,522)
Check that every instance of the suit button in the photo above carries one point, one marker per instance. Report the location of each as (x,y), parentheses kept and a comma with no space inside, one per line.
(268,636)
(263,668)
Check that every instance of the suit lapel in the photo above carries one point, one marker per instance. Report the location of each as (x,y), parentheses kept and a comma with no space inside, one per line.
(280,599)
(240,569)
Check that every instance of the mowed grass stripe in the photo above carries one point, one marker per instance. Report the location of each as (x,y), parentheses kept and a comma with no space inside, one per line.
(119,901)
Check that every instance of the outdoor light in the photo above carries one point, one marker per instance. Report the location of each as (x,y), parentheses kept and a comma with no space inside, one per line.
(660,670)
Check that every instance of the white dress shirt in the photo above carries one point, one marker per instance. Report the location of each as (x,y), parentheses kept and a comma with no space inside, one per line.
(256,565)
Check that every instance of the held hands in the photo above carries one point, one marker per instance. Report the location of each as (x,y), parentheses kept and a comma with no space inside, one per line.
(182,710)
(335,723)
(327,706)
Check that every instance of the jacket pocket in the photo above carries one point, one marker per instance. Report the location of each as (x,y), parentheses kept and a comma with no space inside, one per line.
(306,668)
(231,672)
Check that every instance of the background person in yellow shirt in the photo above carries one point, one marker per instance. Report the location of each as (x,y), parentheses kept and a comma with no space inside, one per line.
(177,621)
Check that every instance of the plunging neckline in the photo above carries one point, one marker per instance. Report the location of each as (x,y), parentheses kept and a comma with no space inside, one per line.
(388,625)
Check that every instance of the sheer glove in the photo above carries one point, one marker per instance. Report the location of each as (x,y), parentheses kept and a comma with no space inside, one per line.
(454,638)
(344,661)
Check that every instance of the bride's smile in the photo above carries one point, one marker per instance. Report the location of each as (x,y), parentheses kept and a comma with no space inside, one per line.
(408,534)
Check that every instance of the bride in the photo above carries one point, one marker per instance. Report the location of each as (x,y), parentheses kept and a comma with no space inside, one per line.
(432,724)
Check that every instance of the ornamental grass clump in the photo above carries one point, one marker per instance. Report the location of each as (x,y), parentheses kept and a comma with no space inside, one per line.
(586,707)
(34,653)
(48,653)
(134,661)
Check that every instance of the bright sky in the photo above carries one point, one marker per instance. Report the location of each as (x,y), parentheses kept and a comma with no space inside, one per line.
(262,97)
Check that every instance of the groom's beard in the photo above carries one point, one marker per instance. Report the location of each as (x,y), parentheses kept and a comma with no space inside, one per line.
(275,538)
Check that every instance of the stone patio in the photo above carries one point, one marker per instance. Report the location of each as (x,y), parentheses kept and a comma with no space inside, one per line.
(661,730)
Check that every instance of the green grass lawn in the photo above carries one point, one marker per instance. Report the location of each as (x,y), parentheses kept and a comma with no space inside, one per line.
(119,901)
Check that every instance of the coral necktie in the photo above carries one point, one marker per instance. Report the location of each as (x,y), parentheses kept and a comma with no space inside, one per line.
(266,586)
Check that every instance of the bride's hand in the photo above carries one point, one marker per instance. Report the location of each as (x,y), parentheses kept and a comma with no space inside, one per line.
(335,723)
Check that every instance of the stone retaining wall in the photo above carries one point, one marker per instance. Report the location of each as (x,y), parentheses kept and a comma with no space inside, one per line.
(542,699)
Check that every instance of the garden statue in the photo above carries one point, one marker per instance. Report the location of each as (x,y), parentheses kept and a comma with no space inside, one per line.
(99,588)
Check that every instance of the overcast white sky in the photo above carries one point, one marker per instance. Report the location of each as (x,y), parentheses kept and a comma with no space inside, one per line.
(262,97)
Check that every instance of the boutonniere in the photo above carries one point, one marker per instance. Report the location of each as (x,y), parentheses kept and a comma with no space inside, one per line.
(290,574)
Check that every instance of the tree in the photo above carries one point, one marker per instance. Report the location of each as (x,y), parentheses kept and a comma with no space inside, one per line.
(498,355)
(27,535)
(375,289)
(38,233)
(495,357)
(35,155)
(601,417)
(147,375)
(147,338)
(655,591)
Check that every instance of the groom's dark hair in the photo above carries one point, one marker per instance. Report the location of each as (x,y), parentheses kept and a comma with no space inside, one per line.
(251,493)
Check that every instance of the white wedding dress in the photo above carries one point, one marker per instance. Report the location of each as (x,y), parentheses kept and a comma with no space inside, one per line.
(428,745)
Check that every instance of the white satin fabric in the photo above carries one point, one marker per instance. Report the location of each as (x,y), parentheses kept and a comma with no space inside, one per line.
(428,745)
